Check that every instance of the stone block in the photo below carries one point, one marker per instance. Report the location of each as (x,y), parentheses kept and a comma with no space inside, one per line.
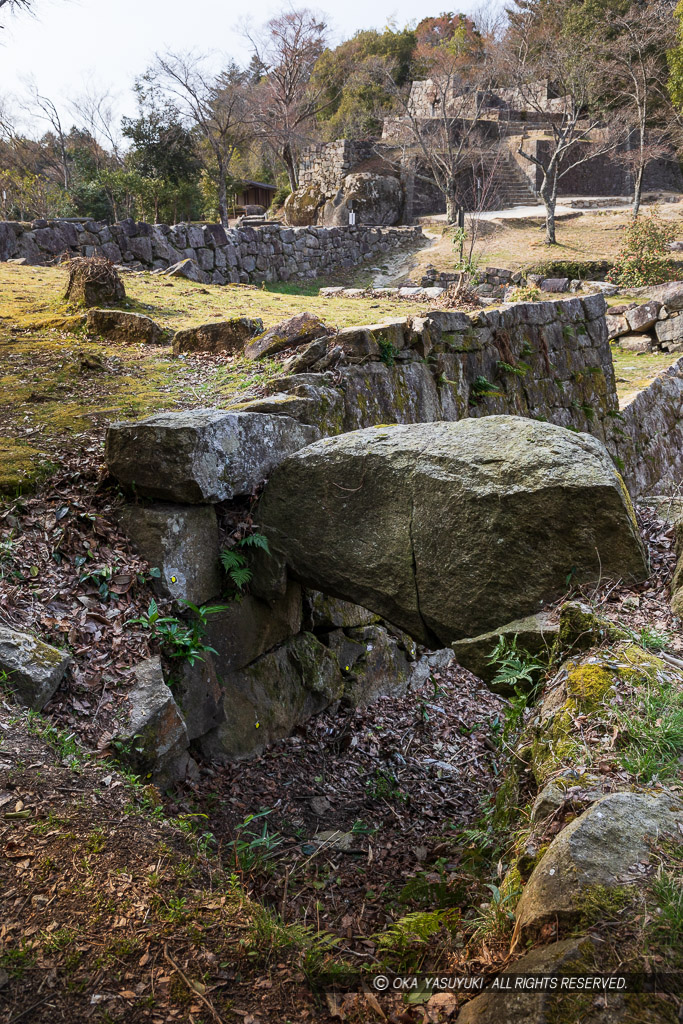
(152,737)
(642,318)
(201,455)
(182,542)
(34,669)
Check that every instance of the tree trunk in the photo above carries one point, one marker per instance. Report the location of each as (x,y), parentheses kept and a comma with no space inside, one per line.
(637,192)
(451,203)
(548,193)
(290,166)
(222,197)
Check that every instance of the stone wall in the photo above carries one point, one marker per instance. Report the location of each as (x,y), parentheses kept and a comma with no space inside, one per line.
(604,175)
(240,255)
(284,652)
(647,437)
(327,164)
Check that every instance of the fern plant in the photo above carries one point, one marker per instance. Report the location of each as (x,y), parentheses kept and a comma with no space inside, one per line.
(180,638)
(514,666)
(411,940)
(236,563)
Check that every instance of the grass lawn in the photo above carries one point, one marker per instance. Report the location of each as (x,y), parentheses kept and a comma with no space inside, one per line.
(513,244)
(60,388)
(57,384)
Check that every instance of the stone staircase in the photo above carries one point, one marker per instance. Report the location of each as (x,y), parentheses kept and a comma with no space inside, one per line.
(513,186)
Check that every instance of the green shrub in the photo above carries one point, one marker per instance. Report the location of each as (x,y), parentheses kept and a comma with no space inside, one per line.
(573,269)
(279,196)
(529,293)
(644,258)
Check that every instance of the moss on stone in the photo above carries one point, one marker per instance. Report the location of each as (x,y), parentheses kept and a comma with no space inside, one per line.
(587,686)
(637,666)
(603,903)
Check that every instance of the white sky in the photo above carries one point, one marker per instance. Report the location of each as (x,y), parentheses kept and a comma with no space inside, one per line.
(111,42)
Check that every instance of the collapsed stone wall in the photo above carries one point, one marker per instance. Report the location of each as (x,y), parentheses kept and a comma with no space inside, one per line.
(241,255)
(285,652)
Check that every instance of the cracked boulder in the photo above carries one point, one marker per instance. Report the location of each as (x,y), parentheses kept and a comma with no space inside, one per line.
(449,529)
(201,455)
(31,669)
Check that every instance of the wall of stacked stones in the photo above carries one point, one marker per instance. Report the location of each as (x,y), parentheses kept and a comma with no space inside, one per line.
(285,652)
(240,255)
(327,164)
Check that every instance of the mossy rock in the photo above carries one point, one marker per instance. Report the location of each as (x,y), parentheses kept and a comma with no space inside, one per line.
(301,207)
(592,867)
(21,466)
(581,687)
(580,628)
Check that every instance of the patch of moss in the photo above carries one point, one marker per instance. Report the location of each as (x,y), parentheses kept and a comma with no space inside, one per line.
(547,755)
(21,466)
(601,903)
(587,686)
(637,666)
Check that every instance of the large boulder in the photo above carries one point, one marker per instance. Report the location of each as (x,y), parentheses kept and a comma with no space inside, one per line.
(116,325)
(449,529)
(605,848)
(221,336)
(301,207)
(292,333)
(33,669)
(375,199)
(201,455)
(182,543)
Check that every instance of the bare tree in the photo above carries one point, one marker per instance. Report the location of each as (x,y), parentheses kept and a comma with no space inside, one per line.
(95,110)
(554,76)
(634,79)
(45,109)
(439,125)
(216,105)
(286,102)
